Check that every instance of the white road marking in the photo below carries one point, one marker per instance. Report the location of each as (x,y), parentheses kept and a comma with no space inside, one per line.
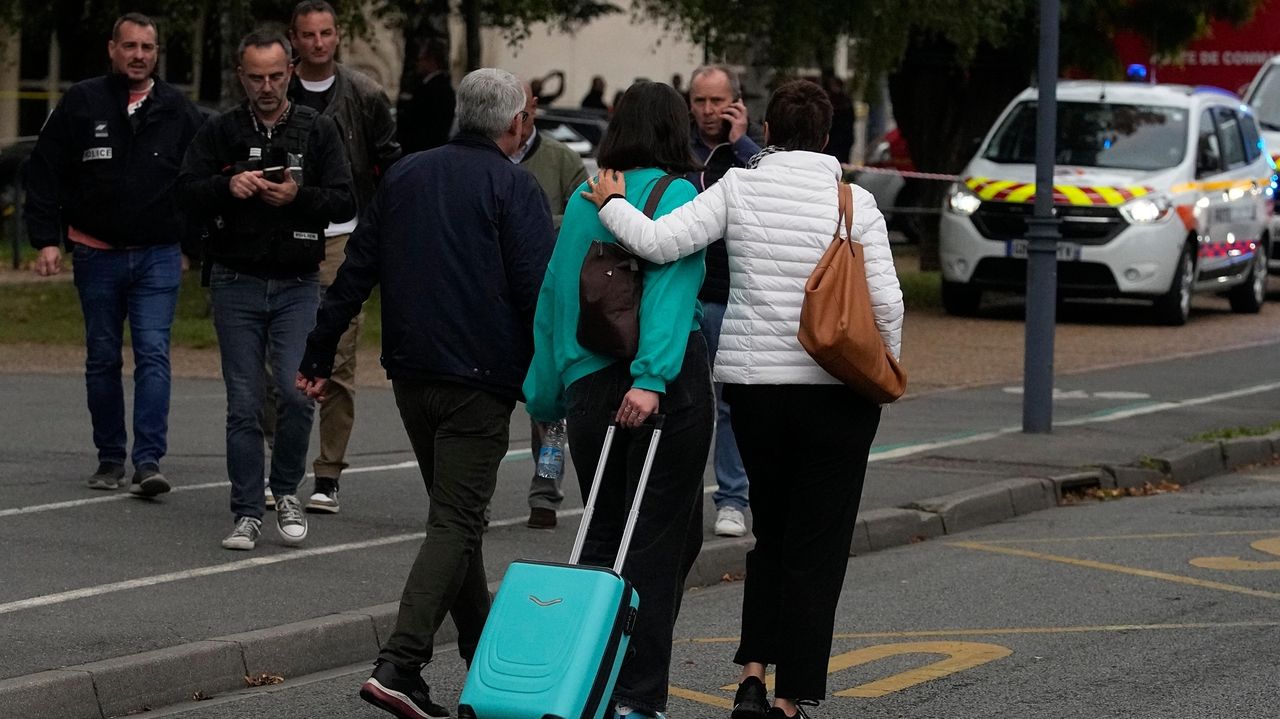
(251,563)
(123,494)
(1110,415)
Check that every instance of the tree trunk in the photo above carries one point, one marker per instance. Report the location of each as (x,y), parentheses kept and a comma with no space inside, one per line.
(471,15)
(943,110)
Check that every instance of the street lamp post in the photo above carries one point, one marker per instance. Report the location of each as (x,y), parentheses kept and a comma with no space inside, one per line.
(1042,241)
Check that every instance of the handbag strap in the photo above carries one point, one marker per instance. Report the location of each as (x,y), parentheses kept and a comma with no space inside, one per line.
(846,211)
(655,195)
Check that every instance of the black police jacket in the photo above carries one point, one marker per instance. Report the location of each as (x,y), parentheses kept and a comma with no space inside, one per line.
(106,174)
(249,235)
(458,238)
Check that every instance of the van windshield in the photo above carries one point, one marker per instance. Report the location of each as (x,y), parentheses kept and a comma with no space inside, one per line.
(1266,99)
(1097,134)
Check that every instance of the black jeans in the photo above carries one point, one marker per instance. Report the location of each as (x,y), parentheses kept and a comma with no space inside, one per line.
(459,436)
(805,448)
(663,547)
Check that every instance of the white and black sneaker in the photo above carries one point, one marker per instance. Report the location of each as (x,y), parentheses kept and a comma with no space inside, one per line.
(401,692)
(267,496)
(245,535)
(290,520)
(325,496)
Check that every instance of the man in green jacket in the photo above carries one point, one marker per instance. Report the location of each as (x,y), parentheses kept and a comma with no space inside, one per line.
(559,171)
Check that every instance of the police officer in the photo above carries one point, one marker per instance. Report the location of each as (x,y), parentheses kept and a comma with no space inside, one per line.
(268,177)
(101,181)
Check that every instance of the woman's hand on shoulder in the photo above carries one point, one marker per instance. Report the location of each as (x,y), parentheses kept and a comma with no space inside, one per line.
(636,407)
(609,183)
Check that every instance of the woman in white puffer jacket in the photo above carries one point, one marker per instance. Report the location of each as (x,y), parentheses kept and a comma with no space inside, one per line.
(804,436)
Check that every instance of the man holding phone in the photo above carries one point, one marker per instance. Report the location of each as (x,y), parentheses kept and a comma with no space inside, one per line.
(720,142)
(266,177)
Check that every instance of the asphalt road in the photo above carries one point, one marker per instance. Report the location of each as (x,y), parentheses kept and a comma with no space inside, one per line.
(1159,607)
(90,575)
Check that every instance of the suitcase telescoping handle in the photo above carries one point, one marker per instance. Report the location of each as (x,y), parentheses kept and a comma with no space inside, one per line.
(656,422)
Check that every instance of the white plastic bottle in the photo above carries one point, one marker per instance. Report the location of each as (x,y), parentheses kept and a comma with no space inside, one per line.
(551,457)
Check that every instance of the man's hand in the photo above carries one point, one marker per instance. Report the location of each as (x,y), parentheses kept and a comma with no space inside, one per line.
(636,407)
(599,189)
(279,194)
(50,261)
(735,113)
(245,184)
(313,388)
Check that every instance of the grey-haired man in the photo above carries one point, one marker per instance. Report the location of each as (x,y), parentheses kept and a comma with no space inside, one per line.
(457,319)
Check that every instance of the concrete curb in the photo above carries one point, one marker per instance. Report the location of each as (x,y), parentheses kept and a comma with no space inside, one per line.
(114,687)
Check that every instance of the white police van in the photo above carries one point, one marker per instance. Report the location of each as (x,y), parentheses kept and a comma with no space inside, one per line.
(1263,95)
(1162,190)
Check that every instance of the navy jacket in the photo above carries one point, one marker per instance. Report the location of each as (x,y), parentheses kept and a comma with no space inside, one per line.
(106,174)
(458,238)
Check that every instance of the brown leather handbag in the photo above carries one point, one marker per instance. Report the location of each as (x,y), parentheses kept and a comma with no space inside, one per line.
(838,328)
(609,288)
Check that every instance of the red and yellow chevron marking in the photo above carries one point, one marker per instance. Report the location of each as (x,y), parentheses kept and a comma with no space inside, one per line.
(1087,196)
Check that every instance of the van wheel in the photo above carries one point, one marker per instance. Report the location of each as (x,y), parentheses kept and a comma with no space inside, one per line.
(960,299)
(1174,307)
(1249,295)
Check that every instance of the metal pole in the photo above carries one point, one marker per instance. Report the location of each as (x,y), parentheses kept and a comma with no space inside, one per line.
(1042,241)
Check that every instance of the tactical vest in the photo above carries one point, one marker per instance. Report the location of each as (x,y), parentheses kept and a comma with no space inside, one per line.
(256,232)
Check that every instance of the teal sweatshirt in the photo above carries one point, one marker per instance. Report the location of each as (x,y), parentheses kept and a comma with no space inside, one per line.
(669,308)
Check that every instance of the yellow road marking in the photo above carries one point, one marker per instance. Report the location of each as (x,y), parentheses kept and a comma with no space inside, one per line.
(691,695)
(1004,631)
(1115,537)
(1269,546)
(1119,568)
(959,656)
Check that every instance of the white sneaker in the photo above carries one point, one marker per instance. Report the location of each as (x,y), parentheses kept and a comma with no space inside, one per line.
(267,495)
(290,520)
(730,522)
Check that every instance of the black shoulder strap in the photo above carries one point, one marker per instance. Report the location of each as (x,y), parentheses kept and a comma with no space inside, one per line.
(655,195)
(299,129)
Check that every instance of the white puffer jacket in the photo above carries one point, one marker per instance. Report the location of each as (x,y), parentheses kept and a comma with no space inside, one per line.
(777,221)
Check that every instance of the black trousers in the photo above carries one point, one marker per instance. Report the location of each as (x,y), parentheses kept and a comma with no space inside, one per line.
(805,449)
(459,436)
(663,546)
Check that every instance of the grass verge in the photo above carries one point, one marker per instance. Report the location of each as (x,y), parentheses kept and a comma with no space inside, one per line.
(1217,435)
(48,313)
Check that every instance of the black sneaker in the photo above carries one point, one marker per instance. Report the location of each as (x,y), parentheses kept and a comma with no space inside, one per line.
(110,475)
(401,692)
(778,713)
(148,482)
(750,701)
(324,498)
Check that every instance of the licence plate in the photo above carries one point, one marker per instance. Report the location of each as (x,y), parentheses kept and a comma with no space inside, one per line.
(1067,251)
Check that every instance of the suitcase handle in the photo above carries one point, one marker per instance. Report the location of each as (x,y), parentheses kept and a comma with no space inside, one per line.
(656,421)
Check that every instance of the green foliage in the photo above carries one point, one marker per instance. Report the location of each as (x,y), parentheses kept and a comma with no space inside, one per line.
(1235,432)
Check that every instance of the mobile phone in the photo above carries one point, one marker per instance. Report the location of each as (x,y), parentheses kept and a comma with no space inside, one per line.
(274,161)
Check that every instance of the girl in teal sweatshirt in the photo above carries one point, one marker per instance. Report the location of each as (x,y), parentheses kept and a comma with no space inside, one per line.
(647,138)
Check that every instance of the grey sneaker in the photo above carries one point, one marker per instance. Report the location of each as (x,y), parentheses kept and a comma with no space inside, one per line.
(109,476)
(148,482)
(290,520)
(325,496)
(245,535)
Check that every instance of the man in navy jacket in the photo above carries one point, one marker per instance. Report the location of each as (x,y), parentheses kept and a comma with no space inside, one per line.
(101,181)
(459,238)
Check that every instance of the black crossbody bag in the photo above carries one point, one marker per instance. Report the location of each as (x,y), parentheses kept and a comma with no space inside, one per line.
(609,289)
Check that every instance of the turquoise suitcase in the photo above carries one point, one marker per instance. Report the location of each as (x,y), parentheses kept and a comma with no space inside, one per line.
(557,633)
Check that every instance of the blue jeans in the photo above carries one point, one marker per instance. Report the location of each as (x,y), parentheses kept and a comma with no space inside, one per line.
(730,475)
(140,285)
(259,321)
